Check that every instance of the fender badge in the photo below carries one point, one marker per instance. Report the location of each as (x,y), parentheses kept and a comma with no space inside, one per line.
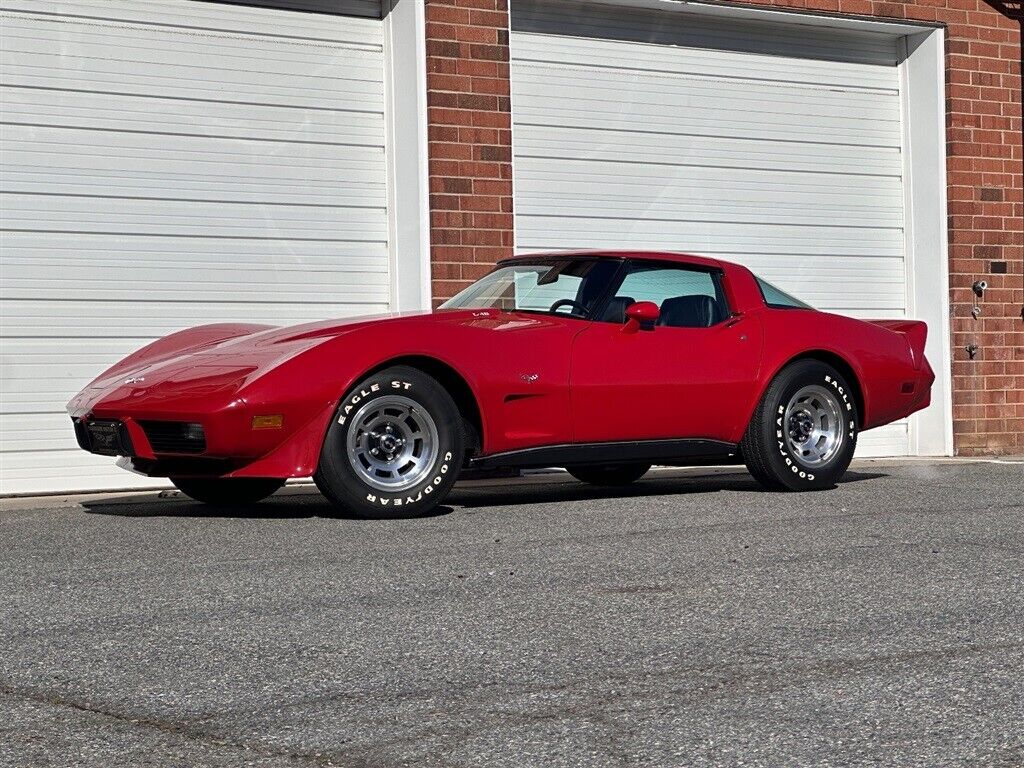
(529,378)
(135,380)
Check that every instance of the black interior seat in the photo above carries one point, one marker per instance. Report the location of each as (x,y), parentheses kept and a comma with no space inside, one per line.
(699,311)
(615,312)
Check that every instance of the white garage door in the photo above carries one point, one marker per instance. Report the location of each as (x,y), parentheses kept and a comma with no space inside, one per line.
(775,146)
(171,163)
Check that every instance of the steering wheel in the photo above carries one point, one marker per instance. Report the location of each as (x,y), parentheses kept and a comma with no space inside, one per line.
(582,310)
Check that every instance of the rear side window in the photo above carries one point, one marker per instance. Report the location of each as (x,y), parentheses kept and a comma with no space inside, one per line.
(773,297)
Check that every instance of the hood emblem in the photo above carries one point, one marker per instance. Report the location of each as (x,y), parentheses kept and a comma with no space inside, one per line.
(135,380)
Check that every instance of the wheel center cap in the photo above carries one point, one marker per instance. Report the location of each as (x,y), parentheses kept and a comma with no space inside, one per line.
(801,426)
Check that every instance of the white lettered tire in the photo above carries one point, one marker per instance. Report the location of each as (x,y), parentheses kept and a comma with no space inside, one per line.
(804,432)
(394,447)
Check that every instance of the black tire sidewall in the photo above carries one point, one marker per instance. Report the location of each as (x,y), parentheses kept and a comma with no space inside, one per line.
(785,465)
(340,483)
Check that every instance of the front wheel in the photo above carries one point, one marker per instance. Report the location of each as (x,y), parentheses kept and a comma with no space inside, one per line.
(610,476)
(804,432)
(227,491)
(394,448)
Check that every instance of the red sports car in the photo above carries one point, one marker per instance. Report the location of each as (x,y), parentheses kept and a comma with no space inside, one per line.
(600,362)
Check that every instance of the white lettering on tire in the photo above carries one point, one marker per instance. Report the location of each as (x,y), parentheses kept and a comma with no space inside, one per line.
(779,437)
(364,393)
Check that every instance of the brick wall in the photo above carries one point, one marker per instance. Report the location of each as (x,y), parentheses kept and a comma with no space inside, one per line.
(470,140)
(471,188)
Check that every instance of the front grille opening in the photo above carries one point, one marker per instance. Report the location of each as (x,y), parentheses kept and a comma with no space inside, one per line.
(174,436)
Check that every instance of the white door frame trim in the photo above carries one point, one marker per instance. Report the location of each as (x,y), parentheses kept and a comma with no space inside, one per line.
(922,93)
(405,78)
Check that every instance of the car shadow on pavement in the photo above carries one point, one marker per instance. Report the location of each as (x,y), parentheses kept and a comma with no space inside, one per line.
(305,502)
(298,504)
(560,490)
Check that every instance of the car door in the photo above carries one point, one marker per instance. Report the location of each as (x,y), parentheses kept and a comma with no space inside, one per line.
(691,374)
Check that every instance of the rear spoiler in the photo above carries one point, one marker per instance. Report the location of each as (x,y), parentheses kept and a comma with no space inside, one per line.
(915,332)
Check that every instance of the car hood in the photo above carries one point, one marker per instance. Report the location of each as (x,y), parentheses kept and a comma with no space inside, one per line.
(219,361)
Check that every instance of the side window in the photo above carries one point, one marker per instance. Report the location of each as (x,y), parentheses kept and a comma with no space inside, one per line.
(773,297)
(687,298)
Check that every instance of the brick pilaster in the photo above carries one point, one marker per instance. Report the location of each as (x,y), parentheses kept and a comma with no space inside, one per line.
(469,139)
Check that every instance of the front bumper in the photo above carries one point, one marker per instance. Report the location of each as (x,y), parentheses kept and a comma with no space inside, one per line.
(232,447)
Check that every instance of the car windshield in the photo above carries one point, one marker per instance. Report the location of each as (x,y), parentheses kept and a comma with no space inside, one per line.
(778,299)
(567,286)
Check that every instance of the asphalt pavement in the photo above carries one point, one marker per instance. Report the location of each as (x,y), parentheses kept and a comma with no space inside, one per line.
(691,620)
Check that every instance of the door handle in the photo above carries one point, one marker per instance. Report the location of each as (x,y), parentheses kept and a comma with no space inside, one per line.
(734,320)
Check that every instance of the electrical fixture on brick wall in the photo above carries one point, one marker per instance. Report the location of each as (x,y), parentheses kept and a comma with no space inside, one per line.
(1014,9)
(979,291)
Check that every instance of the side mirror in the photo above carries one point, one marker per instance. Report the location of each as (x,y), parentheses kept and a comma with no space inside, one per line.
(641,315)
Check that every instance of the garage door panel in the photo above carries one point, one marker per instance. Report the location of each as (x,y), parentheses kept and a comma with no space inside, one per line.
(706,236)
(156,42)
(213,17)
(613,55)
(648,180)
(168,164)
(594,145)
(214,67)
(110,253)
(646,92)
(185,83)
(774,145)
(164,57)
(56,213)
(565,203)
(890,440)
(167,283)
(35,179)
(706,198)
(71,468)
(708,212)
(37,110)
(41,432)
(201,166)
(752,182)
(113,320)
(743,121)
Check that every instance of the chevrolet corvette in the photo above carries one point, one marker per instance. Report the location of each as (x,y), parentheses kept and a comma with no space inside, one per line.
(602,363)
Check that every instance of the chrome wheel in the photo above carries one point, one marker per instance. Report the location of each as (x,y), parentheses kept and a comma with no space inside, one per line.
(813,425)
(392,443)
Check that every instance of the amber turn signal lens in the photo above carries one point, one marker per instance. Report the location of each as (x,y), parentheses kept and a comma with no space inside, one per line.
(267,422)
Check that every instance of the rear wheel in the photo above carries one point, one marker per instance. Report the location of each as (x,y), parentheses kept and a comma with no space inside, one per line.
(804,431)
(610,475)
(227,491)
(394,448)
